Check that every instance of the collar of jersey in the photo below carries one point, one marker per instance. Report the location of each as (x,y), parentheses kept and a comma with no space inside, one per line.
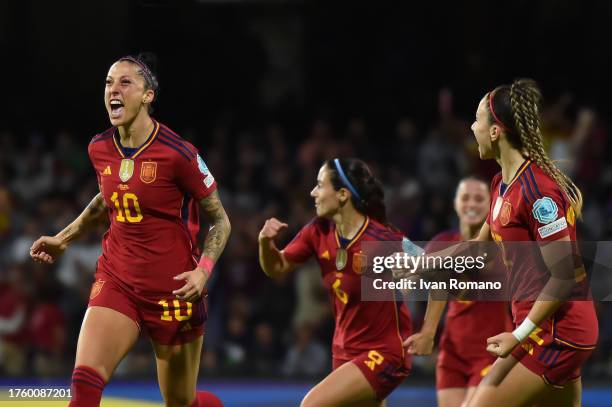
(521,169)
(357,235)
(146,144)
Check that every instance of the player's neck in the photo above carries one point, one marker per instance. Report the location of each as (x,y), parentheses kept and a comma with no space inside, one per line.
(510,159)
(136,133)
(348,223)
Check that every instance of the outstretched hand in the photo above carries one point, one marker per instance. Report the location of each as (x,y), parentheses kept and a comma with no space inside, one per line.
(47,249)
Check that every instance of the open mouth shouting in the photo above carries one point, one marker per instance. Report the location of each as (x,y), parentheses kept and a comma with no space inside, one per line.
(116,108)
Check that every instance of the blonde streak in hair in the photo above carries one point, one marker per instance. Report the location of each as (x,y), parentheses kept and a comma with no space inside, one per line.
(534,142)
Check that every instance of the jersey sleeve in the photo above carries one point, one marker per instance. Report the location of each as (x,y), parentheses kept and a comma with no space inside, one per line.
(90,152)
(302,246)
(194,177)
(546,215)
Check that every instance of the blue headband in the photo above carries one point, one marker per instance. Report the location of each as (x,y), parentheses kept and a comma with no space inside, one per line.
(345,180)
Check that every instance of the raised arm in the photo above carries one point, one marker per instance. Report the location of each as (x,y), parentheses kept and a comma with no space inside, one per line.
(272,261)
(46,249)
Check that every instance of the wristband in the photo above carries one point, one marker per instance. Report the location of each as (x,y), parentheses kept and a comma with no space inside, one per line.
(524,330)
(207,264)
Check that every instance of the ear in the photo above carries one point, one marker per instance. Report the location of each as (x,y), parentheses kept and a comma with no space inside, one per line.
(495,133)
(148,97)
(343,195)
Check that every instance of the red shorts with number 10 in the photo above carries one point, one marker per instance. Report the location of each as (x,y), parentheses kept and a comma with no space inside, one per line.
(167,320)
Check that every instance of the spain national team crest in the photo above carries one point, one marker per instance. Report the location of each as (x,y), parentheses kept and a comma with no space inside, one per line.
(96,288)
(504,215)
(126,170)
(360,262)
(148,172)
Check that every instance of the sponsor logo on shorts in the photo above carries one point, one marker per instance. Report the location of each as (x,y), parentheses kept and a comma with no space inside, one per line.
(96,288)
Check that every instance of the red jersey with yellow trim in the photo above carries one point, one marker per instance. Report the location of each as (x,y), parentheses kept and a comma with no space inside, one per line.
(152,198)
(533,208)
(361,326)
(464,332)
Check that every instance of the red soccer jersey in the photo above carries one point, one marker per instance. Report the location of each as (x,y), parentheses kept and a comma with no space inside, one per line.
(464,332)
(534,208)
(361,326)
(152,199)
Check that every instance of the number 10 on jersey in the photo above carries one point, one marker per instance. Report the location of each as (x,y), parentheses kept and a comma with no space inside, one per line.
(124,212)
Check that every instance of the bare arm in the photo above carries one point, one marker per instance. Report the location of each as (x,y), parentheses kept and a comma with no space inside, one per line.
(90,217)
(219,229)
(47,249)
(272,261)
(218,233)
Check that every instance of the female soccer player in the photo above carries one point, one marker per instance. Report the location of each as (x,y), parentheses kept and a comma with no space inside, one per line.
(463,359)
(532,200)
(147,276)
(368,357)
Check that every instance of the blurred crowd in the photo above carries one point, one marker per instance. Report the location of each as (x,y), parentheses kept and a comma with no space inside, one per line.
(258,327)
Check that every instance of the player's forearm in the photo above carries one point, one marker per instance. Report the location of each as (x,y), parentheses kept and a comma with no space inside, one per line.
(220,227)
(217,237)
(270,258)
(435,309)
(90,217)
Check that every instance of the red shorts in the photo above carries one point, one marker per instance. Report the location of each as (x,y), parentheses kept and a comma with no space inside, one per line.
(383,373)
(453,371)
(166,320)
(555,363)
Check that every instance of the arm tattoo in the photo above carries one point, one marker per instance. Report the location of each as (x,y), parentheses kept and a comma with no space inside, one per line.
(219,229)
(90,216)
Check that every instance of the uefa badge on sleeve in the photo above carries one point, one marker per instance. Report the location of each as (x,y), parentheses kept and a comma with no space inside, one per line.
(545,210)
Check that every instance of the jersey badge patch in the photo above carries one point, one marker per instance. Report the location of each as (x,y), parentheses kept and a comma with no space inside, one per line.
(552,228)
(545,210)
(504,214)
(360,262)
(126,170)
(497,207)
(148,172)
(209,179)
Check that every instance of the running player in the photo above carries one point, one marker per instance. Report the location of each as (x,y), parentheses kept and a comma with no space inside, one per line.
(532,200)
(463,359)
(368,358)
(152,184)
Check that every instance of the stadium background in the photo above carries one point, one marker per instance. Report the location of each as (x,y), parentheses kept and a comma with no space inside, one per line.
(267,90)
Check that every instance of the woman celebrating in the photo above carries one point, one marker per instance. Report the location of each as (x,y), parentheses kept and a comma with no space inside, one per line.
(147,277)
(463,360)
(532,200)
(368,357)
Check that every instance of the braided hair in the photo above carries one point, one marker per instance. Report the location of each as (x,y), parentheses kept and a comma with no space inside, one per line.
(516,108)
(370,197)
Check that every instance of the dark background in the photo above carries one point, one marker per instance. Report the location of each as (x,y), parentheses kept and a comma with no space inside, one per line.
(266,91)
